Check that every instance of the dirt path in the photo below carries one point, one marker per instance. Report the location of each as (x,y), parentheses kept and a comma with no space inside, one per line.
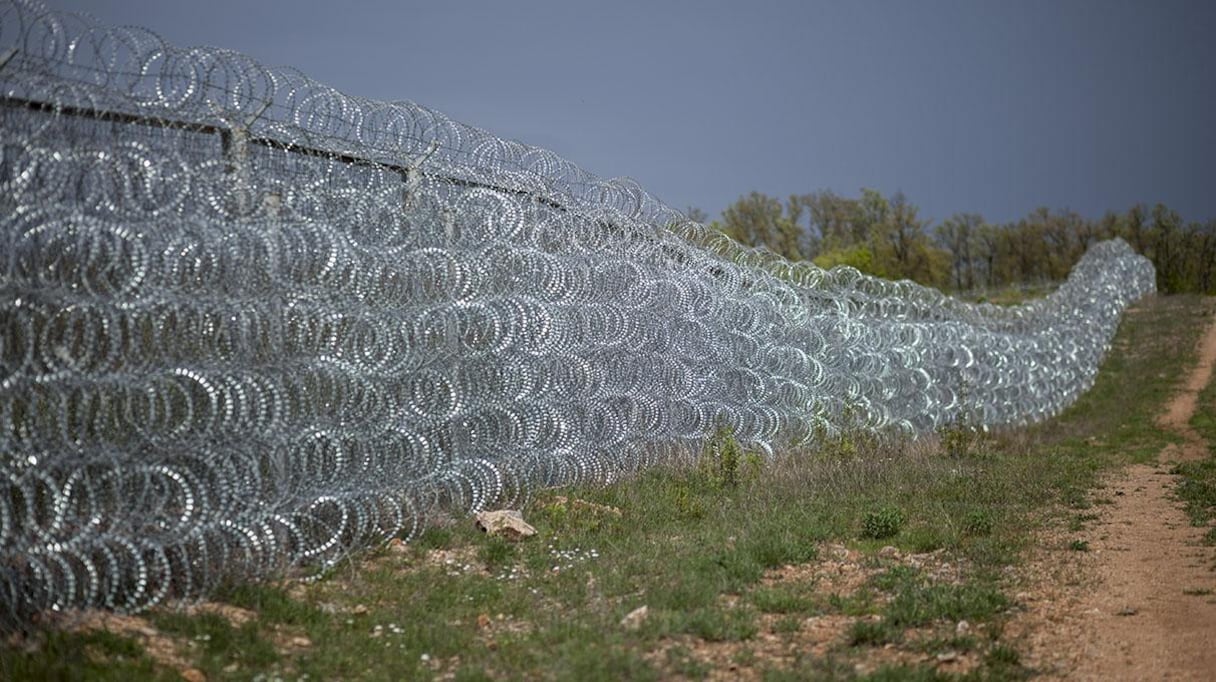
(1178,414)
(1141,604)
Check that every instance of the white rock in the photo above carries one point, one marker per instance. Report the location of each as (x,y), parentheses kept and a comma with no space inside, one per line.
(505,522)
(634,619)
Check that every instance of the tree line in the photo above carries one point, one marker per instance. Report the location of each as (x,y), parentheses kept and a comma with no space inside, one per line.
(885,236)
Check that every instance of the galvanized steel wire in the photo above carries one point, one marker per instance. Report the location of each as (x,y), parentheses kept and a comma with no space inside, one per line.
(249,323)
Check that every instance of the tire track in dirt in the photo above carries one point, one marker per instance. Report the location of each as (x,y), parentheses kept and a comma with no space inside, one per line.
(1139,605)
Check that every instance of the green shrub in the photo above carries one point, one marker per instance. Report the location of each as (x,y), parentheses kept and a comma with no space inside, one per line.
(725,464)
(882,523)
(957,440)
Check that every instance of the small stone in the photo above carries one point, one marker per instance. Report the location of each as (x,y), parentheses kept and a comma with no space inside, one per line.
(360,609)
(634,619)
(947,656)
(193,675)
(889,552)
(962,628)
(483,620)
(1127,611)
(300,641)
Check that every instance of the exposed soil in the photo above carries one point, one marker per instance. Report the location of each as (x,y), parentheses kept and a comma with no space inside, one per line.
(166,650)
(1139,604)
(782,639)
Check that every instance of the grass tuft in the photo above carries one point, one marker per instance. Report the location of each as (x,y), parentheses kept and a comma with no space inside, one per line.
(882,523)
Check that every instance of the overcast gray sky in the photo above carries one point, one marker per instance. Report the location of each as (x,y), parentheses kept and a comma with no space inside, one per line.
(979,106)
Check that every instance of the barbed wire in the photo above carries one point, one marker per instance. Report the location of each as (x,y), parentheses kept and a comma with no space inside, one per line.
(249,324)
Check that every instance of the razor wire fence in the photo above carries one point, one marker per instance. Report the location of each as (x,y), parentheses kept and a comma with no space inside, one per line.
(249,323)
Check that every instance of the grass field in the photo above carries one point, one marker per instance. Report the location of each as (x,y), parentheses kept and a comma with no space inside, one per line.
(862,559)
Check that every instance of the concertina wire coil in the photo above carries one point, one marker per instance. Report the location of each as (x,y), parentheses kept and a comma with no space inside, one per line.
(249,323)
